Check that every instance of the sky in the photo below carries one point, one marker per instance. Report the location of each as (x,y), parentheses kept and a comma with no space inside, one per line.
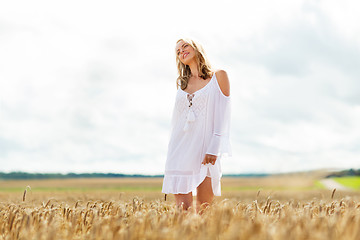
(89,86)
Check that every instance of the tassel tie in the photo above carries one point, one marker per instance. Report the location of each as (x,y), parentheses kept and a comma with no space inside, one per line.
(190,116)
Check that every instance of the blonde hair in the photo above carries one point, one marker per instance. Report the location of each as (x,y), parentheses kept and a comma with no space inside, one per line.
(203,65)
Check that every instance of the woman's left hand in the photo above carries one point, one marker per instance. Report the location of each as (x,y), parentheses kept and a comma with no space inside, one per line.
(209,159)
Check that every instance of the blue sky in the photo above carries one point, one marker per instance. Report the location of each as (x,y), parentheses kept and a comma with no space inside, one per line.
(90,85)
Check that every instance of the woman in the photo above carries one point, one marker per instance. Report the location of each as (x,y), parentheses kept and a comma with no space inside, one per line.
(200,129)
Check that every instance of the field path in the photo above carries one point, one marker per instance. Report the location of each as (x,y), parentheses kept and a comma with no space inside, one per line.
(331,184)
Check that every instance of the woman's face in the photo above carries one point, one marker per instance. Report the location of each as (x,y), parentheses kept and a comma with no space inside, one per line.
(185,52)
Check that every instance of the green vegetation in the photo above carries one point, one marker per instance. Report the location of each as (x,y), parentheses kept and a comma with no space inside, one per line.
(26,175)
(277,188)
(141,189)
(83,189)
(350,182)
(345,173)
(319,185)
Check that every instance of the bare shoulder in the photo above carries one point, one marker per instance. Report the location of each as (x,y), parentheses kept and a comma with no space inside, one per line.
(223,81)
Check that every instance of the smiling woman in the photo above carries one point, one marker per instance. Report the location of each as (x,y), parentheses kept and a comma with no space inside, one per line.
(187,50)
(200,129)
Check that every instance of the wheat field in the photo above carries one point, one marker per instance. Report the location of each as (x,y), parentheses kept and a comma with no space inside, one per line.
(268,212)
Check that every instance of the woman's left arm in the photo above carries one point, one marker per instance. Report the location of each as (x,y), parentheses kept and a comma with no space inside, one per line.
(221,117)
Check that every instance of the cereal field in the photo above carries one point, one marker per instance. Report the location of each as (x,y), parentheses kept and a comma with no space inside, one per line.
(284,207)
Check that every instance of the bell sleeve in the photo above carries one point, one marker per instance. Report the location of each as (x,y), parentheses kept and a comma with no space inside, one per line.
(220,140)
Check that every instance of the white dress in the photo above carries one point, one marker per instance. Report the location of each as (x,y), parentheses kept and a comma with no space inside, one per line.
(200,125)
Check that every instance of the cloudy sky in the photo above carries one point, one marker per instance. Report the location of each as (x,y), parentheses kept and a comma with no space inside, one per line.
(90,85)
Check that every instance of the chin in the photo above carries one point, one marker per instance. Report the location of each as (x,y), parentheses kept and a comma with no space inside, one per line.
(187,60)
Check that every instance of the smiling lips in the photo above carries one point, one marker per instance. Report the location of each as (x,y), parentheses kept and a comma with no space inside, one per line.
(185,55)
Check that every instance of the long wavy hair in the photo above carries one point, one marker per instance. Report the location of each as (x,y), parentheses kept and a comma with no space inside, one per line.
(203,65)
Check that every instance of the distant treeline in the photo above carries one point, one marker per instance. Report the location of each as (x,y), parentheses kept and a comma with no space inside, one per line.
(345,173)
(26,175)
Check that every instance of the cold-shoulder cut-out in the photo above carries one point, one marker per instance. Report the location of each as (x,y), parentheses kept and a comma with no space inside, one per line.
(200,125)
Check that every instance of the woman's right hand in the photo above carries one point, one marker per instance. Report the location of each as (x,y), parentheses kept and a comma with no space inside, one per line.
(209,159)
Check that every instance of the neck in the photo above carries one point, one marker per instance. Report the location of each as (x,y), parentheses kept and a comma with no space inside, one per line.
(194,69)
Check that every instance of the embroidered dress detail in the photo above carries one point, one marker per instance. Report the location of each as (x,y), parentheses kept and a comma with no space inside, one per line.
(190,116)
(200,125)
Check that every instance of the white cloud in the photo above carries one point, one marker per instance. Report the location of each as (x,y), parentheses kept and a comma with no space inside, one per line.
(90,86)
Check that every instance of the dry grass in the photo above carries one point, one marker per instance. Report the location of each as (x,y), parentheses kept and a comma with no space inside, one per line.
(156,219)
(250,214)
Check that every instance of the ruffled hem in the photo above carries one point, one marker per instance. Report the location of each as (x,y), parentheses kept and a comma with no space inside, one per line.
(183,184)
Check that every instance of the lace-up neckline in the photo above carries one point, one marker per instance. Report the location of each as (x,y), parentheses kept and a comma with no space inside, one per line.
(200,88)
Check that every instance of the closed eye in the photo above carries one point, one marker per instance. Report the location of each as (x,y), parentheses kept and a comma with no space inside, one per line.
(184,46)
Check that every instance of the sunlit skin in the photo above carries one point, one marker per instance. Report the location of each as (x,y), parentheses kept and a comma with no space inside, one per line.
(186,53)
